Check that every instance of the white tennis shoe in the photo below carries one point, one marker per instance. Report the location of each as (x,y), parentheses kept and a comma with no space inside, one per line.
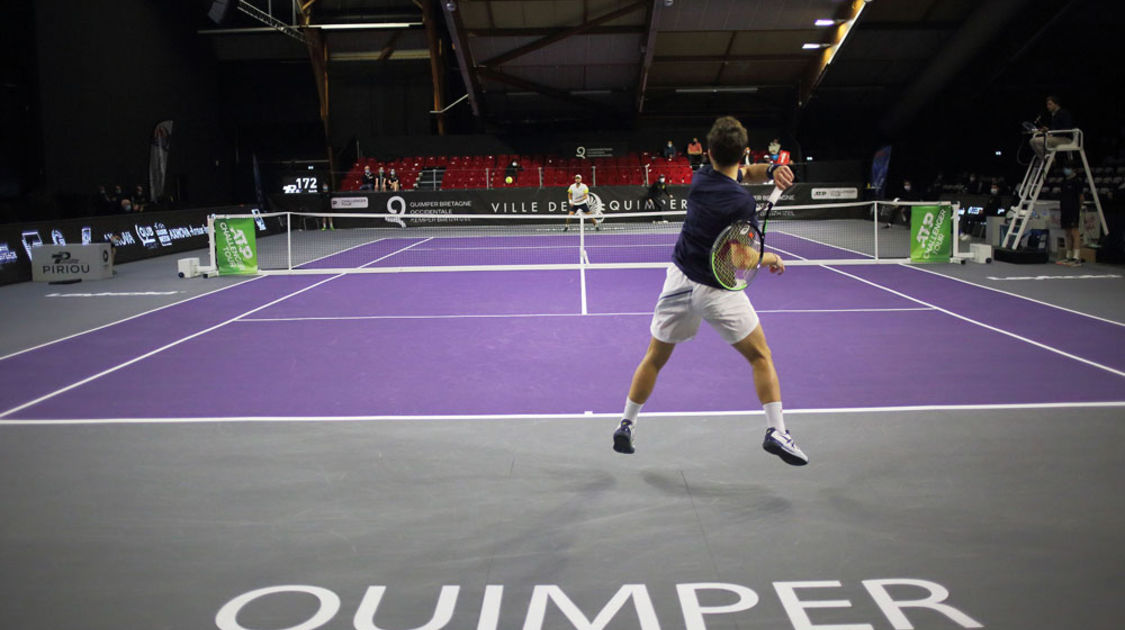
(782,445)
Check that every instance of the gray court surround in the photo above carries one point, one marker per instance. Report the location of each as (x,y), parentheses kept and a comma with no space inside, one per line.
(994,517)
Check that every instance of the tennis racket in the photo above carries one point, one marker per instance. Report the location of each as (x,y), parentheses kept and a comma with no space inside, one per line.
(736,254)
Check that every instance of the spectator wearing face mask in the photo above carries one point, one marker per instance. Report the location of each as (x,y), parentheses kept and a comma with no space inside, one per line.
(695,153)
(995,202)
(657,198)
(669,151)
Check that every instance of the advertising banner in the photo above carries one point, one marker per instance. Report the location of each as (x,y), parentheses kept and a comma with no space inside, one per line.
(235,247)
(931,233)
(65,263)
(134,236)
(483,203)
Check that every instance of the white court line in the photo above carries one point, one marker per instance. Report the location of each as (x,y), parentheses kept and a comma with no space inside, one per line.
(346,249)
(983,325)
(813,240)
(160,308)
(397,251)
(1022,297)
(526,315)
(158,350)
(1085,276)
(500,247)
(113,323)
(562,416)
(582,287)
(189,337)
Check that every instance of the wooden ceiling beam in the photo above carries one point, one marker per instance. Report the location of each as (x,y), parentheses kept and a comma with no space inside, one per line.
(564,34)
(555,93)
(465,61)
(729,58)
(541,32)
(847,14)
(648,50)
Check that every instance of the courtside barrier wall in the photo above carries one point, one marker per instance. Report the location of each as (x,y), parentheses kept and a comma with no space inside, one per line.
(607,199)
(138,235)
(148,234)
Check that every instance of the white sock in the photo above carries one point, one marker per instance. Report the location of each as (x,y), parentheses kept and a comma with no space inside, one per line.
(1074,254)
(631,410)
(773,416)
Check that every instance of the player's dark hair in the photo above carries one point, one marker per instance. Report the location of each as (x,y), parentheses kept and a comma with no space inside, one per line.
(726,141)
(1054,99)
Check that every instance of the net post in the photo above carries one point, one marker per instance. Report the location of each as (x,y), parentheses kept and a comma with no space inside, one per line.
(594,175)
(956,249)
(540,169)
(488,178)
(289,240)
(211,240)
(875,225)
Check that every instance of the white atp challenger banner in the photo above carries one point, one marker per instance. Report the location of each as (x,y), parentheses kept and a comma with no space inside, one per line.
(158,158)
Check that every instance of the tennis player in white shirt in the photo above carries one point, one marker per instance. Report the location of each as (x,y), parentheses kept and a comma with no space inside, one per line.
(578,196)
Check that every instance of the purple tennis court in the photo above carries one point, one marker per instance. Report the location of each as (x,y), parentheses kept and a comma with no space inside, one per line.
(515,343)
(290,451)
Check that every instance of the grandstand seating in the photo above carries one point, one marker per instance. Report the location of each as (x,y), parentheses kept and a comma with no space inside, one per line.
(489,171)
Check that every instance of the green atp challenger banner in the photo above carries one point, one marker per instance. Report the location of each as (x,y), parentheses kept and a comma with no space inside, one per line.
(931,233)
(236,250)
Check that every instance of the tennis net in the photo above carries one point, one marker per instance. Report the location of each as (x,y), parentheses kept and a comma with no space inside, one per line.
(300,242)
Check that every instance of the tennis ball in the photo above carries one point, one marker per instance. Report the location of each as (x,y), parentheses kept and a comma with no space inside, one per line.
(508,179)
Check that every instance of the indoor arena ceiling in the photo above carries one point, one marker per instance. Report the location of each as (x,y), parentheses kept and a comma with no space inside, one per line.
(558,60)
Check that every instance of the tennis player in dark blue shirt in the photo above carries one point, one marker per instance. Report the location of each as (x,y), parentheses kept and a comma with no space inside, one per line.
(691,293)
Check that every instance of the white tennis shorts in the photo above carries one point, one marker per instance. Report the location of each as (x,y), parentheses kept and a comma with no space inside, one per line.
(684,303)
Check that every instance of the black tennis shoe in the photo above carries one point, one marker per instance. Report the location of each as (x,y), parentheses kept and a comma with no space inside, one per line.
(623,438)
(782,445)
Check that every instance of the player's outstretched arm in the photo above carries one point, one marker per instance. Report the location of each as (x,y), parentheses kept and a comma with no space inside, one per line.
(759,173)
(774,262)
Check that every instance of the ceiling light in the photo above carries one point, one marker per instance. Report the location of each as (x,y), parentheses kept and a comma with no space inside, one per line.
(364,26)
(749,89)
(825,22)
(811,46)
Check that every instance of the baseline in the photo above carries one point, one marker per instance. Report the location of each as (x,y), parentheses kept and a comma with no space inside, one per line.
(589,415)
